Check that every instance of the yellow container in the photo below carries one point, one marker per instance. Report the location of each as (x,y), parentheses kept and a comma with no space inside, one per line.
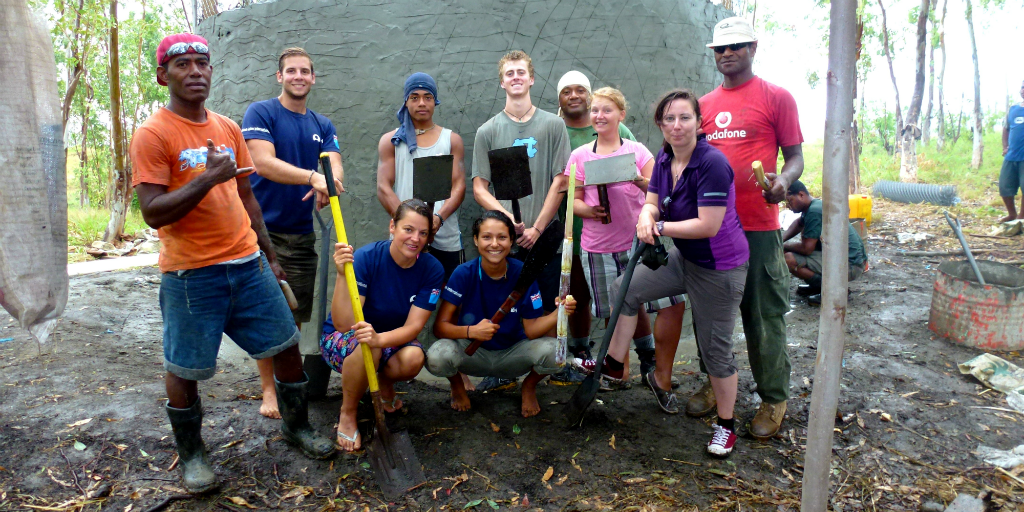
(860,207)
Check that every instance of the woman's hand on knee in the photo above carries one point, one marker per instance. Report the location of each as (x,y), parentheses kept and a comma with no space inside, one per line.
(366,335)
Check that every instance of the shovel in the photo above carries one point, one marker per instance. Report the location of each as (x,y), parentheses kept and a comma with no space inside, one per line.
(510,173)
(967,250)
(432,179)
(391,454)
(584,396)
(603,172)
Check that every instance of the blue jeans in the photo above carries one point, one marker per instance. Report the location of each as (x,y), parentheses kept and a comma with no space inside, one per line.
(242,300)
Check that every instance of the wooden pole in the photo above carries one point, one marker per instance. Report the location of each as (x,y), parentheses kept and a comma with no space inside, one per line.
(831,329)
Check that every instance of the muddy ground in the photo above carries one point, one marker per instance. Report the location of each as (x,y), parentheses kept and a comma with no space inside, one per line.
(84,416)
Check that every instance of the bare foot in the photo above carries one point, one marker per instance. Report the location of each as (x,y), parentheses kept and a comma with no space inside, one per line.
(466,383)
(460,400)
(530,405)
(347,438)
(269,406)
(391,401)
(529,392)
(1008,218)
(1020,216)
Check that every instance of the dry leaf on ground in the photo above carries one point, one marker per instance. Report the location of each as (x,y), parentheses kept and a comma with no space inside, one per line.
(547,474)
(611,442)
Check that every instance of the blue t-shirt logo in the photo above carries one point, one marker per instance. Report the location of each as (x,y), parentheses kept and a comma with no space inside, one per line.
(537,301)
(434,295)
(1018,120)
(531,146)
(316,138)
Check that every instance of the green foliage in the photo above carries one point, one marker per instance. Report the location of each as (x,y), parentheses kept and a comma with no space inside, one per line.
(80,30)
(86,225)
(951,167)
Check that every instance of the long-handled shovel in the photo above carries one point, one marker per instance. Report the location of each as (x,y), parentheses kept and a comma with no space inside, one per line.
(391,454)
(584,396)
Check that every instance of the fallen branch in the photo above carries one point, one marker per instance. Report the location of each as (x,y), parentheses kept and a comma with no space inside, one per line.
(955,252)
(167,501)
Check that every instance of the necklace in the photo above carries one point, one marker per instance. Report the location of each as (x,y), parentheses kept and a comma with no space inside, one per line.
(425,130)
(519,118)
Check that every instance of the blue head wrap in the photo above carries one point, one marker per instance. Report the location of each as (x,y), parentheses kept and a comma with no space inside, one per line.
(406,131)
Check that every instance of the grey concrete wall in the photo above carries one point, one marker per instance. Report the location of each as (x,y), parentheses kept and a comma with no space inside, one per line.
(364,50)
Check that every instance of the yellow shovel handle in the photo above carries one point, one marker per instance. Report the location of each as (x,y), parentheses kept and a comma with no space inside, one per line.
(350,273)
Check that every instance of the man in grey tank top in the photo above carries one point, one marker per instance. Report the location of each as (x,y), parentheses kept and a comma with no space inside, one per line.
(417,136)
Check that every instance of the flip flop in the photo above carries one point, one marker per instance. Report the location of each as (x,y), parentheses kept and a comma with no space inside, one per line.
(391,403)
(353,438)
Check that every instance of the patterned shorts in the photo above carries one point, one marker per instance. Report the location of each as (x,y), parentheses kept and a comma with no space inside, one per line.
(601,270)
(336,346)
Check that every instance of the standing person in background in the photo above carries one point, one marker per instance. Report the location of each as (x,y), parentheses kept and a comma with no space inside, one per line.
(219,274)
(521,123)
(417,136)
(1011,176)
(749,119)
(606,247)
(285,139)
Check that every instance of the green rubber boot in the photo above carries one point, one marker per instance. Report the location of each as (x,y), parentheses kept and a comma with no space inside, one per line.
(293,404)
(197,475)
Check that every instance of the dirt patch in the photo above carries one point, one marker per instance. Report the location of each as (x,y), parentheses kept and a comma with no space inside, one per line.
(909,422)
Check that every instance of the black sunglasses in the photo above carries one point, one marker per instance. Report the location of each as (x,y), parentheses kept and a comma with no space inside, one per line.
(734,47)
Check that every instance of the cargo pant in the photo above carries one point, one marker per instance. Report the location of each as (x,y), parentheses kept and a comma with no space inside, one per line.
(763,309)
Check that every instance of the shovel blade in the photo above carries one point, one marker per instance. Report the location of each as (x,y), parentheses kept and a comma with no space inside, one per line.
(577,406)
(394,463)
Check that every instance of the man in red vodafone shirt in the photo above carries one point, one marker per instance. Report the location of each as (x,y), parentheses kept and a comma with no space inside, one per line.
(749,119)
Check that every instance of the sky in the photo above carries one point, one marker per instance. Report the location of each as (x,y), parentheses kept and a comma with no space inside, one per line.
(792,50)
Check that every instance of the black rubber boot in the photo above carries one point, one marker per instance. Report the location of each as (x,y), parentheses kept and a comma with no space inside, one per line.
(196,473)
(646,358)
(319,375)
(292,402)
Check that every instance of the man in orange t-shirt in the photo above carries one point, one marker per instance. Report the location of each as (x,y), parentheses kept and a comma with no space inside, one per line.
(215,280)
(749,119)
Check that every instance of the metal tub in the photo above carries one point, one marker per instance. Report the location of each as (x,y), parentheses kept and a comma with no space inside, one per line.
(989,317)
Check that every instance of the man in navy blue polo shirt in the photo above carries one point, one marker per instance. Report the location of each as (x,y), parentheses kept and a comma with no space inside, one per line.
(285,139)
(1011,176)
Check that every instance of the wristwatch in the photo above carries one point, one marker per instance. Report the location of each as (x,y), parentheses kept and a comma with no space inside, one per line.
(660,225)
(438,215)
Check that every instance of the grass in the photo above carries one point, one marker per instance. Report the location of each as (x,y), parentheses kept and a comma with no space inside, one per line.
(978,189)
(86,225)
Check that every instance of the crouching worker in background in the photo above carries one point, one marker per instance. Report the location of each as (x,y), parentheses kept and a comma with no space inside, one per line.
(191,173)
(398,287)
(517,345)
(804,256)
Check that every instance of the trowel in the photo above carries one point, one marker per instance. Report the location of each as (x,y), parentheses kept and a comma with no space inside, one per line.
(432,178)
(614,169)
(510,175)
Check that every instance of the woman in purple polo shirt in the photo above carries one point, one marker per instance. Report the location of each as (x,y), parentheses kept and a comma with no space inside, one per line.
(691,198)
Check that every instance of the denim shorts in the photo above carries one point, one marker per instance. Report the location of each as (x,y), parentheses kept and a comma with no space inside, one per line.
(241,300)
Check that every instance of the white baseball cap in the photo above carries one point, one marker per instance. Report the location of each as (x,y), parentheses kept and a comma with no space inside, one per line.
(573,78)
(732,31)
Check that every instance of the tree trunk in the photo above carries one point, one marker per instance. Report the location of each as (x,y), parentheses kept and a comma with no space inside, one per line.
(83,157)
(892,75)
(979,146)
(926,123)
(940,117)
(828,367)
(75,74)
(959,120)
(121,192)
(911,132)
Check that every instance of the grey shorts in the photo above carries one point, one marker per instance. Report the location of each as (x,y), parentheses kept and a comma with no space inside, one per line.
(600,270)
(1011,178)
(813,263)
(714,297)
(297,256)
(448,357)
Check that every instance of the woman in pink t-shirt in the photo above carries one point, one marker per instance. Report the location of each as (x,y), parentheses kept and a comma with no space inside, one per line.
(605,248)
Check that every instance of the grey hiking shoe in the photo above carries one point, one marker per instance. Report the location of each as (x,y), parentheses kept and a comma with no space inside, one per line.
(495,384)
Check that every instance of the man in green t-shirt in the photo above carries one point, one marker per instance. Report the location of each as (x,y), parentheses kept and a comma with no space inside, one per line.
(804,256)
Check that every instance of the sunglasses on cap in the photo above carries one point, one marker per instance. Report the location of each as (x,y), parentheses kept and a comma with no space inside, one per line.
(182,48)
(734,47)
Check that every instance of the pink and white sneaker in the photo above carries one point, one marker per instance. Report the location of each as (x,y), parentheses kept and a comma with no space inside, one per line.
(721,442)
(585,366)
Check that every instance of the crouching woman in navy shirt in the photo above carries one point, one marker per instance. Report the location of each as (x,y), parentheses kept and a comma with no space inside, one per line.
(691,198)
(398,287)
(514,346)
